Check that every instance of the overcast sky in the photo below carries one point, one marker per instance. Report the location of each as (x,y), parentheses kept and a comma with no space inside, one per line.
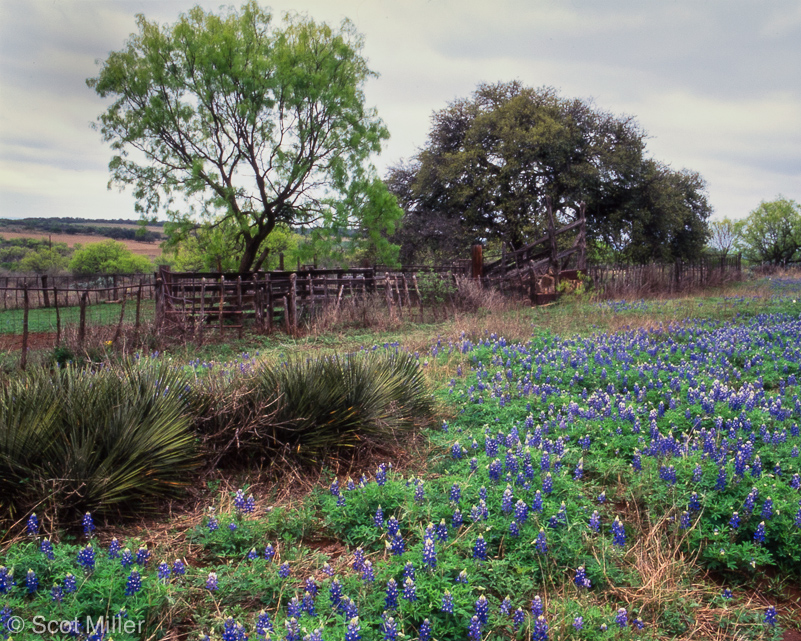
(716,84)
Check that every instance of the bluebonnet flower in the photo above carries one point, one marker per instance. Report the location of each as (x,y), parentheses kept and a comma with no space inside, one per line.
(308,604)
(720,483)
(455,493)
(269,552)
(393,527)
(695,503)
(636,461)
(409,589)
(456,451)
(424,633)
(263,624)
(514,529)
(396,545)
(142,556)
(517,618)
(88,525)
(163,571)
(684,522)
(462,577)
(232,526)
(31,582)
(619,533)
(473,464)
(541,544)
(32,525)
(581,579)
(212,523)
(480,549)
(622,618)
(506,606)
(638,623)
(540,632)
(601,498)
(70,583)
(456,520)
(46,548)
(86,558)
(391,599)
(252,555)
(239,500)
(134,583)
(536,606)
(767,509)
(447,602)
(310,586)
(756,467)
(354,630)
(328,570)
(368,575)
(335,593)
(250,505)
(429,555)
(378,519)
(506,500)
(358,559)
(389,629)
(178,567)
(211,582)
(474,629)
(419,492)
(293,608)
(233,631)
(283,570)
(759,534)
(595,521)
(381,474)
(56,594)
(578,623)
(482,609)
(697,474)
(114,548)
(292,630)
(547,485)
(334,487)
(734,521)
(770,616)
(521,511)
(579,471)
(442,531)
(536,504)
(727,594)
(341,500)
(797,519)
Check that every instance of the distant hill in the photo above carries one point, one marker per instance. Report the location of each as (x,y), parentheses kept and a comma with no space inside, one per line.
(118,229)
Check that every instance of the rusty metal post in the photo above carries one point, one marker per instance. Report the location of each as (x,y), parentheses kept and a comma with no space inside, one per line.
(477,261)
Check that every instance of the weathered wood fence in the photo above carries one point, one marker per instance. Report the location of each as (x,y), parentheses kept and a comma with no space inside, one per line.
(201,302)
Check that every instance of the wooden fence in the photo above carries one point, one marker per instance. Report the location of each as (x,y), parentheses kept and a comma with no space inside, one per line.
(620,281)
(192,302)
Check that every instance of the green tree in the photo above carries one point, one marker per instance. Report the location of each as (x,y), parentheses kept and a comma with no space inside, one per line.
(491,161)
(44,261)
(725,235)
(772,232)
(255,123)
(108,257)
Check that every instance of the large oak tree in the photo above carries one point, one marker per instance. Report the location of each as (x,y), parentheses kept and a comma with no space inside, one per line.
(229,119)
(491,160)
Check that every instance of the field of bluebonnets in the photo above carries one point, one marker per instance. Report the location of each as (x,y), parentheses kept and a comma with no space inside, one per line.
(642,483)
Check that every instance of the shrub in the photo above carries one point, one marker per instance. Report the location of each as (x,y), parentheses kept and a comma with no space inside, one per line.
(83,440)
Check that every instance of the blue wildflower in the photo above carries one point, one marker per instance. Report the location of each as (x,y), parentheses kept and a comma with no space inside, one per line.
(134,583)
(211,582)
(46,548)
(447,602)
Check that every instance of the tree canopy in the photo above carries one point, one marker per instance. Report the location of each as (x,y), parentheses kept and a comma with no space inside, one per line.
(771,233)
(108,257)
(230,120)
(491,160)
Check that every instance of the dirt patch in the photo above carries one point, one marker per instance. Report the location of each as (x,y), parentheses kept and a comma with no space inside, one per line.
(36,340)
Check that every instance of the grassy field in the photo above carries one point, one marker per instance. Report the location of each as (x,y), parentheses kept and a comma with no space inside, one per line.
(582,482)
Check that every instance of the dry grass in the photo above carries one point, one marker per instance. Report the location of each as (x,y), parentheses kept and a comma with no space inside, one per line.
(150,250)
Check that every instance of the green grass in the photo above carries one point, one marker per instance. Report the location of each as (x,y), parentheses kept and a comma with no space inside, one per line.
(44,319)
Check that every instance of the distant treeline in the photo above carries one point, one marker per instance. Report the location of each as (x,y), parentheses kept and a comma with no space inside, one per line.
(84,226)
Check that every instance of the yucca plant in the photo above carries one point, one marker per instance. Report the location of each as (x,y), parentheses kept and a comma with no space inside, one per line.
(112,436)
(337,401)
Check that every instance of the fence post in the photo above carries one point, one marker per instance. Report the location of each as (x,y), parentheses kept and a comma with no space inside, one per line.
(476,261)
(293,301)
(122,317)
(24,359)
(45,293)
(553,258)
(581,260)
(241,311)
(222,302)
(158,294)
(82,322)
(58,317)
(202,310)
(269,310)
(138,305)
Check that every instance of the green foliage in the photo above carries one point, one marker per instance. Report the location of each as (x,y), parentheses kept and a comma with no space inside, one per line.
(772,232)
(272,126)
(80,440)
(107,257)
(725,235)
(44,261)
(491,161)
